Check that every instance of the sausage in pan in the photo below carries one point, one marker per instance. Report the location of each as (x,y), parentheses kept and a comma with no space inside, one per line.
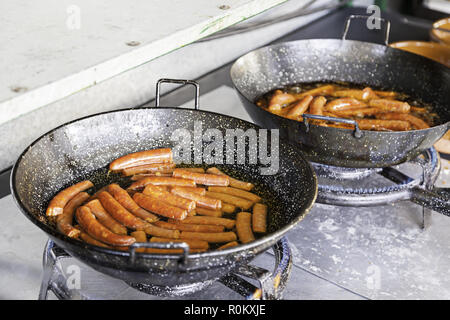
(202,178)
(57,204)
(209,237)
(124,198)
(161,181)
(170,198)
(104,217)
(227,223)
(149,168)
(119,213)
(157,206)
(236,201)
(414,121)
(189,227)
(233,182)
(98,231)
(390,105)
(64,220)
(200,201)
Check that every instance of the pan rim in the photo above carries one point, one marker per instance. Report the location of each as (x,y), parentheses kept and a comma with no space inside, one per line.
(240,248)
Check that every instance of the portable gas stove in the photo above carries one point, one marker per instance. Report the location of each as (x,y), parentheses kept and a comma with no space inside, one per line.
(67,278)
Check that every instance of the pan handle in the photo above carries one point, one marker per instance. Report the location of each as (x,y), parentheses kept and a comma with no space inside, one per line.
(350,18)
(178,81)
(357,133)
(159,245)
(437,199)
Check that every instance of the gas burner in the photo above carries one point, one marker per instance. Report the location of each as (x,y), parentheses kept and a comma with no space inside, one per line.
(412,181)
(247,281)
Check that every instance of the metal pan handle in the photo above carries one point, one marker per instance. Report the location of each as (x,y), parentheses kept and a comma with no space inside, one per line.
(350,18)
(357,132)
(159,245)
(178,81)
(437,199)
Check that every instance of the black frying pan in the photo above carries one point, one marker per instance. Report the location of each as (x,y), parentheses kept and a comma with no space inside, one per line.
(330,60)
(82,149)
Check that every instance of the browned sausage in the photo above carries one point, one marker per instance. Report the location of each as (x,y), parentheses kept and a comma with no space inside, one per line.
(228,245)
(358,112)
(140,176)
(214,221)
(383,125)
(200,201)
(279,99)
(244,227)
(325,90)
(195,169)
(57,204)
(189,227)
(128,203)
(149,168)
(209,212)
(161,181)
(210,237)
(98,231)
(193,244)
(365,94)
(119,213)
(171,199)
(159,207)
(390,105)
(197,190)
(104,218)
(299,107)
(236,201)
(317,105)
(202,178)
(233,182)
(140,236)
(344,104)
(142,158)
(259,218)
(162,232)
(236,192)
(64,220)
(416,122)
(88,239)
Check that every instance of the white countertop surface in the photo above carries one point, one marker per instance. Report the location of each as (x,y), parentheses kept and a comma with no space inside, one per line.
(64,46)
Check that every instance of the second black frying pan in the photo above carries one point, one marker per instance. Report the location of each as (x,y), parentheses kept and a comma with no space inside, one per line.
(330,60)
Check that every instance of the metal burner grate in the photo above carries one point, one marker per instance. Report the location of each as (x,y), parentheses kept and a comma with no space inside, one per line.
(373,187)
(413,180)
(247,281)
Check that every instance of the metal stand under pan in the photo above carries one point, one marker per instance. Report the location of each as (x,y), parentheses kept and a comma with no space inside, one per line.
(413,180)
(67,279)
